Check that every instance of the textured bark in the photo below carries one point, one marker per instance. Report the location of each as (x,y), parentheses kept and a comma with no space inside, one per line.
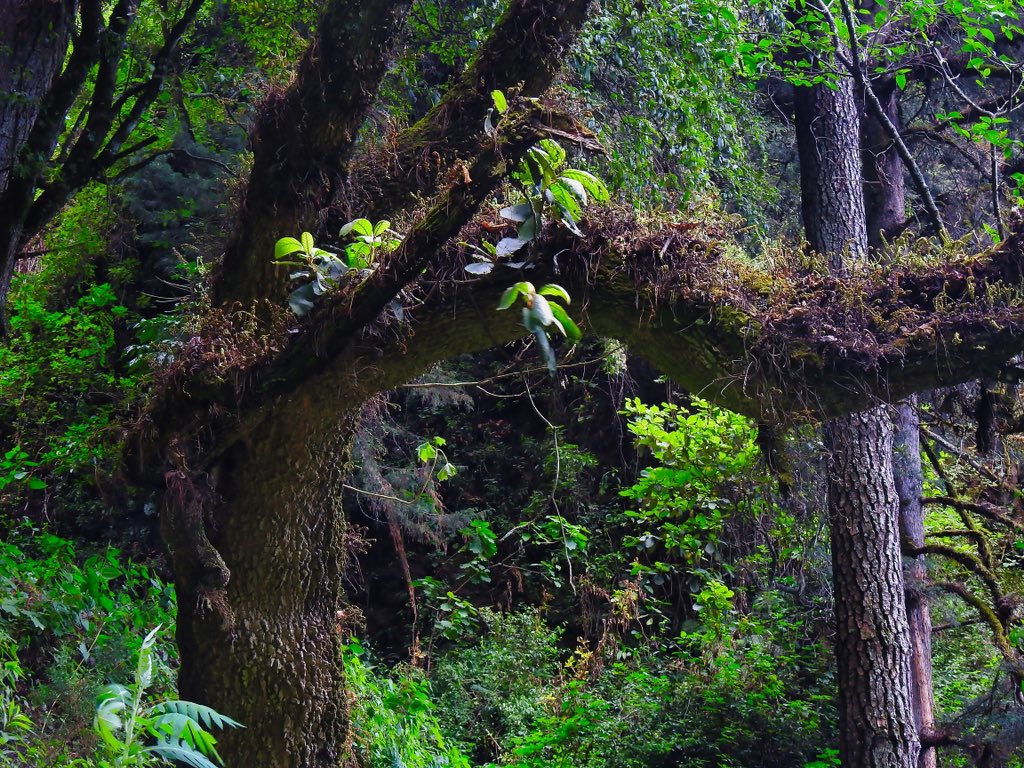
(872,642)
(525,52)
(908,478)
(885,196)
(885,204)
(304,139)
(259,630)
(832,201)
(33,40)
(876,725)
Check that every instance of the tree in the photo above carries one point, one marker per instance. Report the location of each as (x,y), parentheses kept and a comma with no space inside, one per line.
(248,438)
(59,58)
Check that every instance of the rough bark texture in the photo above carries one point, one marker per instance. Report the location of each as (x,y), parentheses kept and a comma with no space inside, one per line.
(885,208)
(259,631)
(830,171)
(303,140)
(884,189)
(908,479)
(876,726)
(872,642)
(33,40)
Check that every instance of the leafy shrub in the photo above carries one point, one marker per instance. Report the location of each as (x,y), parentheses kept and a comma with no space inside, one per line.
(73,621)
(393,717)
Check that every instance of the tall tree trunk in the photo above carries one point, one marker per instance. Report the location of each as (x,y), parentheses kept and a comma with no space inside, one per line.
(872,641)
(909,478)
(259,600)
(873,647)
(885,203)
(33,41)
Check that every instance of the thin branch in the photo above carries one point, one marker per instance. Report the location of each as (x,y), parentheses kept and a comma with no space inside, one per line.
(501,376)
(1001,482)
(988,511)
(129,169)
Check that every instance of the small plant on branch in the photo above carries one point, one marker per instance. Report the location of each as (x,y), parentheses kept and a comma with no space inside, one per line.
(323,269)
(549,191)
(539,314)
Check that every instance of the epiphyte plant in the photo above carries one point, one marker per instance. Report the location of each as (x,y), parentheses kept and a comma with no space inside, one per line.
(324,269)
(549,191)
(539,314)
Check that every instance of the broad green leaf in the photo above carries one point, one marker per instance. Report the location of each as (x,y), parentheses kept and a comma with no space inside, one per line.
(182,753)
(381,227)
(307,243)
(208,716)
(301,299)
(541,309)
(359,226)
(500,102)
(509,245)
(575,187)
(571,330)
(508,298)
(285,247)
(517,213)
(594,186)
(554,289)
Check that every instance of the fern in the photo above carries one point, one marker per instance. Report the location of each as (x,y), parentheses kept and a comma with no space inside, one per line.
(123,720)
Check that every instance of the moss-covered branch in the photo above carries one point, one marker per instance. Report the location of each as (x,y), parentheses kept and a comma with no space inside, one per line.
(304,139)
(523,53)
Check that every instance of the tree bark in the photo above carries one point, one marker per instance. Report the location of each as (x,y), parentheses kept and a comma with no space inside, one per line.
(885,204)
(258,552)
(872,642)
(33,41)
(876,724)
(908,478)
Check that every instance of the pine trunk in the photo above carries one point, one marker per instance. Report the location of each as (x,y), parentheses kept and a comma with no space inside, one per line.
(872,649)
(872,641)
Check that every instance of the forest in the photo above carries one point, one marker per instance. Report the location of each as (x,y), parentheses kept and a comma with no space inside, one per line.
(526,383)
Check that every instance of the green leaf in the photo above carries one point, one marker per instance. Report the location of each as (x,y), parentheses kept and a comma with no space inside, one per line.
(553,289)
(208,716)
(509,245)
(307,243)
(508,298)
(285,247)
(571,330)
(381,227)
(301,299)
(901,79)
(359,226)
(500,102)
(182,753)
(541,309)
(575,187)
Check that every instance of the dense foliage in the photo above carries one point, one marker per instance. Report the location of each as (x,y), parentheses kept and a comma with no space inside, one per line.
(555,556)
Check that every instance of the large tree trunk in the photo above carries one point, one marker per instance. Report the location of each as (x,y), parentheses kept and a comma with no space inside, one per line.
(33,41)
(872,641)
(885,204)
(873,648)
(259,629)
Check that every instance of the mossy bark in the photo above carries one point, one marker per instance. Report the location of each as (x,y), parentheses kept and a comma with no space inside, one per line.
(264,647)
